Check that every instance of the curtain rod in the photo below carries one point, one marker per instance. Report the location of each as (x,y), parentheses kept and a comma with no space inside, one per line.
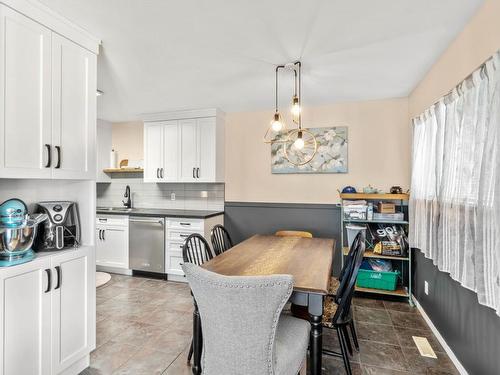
(458,84)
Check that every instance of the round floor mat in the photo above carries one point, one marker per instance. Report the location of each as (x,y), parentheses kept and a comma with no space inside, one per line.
(101,278)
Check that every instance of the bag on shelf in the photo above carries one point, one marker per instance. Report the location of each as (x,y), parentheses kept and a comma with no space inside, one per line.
(389,239)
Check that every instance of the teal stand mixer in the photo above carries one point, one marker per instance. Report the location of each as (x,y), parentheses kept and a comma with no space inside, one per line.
(17,232)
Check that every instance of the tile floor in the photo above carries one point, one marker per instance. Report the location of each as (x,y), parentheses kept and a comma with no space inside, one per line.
(144,327)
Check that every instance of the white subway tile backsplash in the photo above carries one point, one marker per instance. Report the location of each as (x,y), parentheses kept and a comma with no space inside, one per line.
(151,195)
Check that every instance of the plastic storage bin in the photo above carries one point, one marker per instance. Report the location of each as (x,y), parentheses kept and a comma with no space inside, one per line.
(377,280)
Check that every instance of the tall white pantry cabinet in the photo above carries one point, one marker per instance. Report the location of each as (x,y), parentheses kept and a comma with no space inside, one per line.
(48,147)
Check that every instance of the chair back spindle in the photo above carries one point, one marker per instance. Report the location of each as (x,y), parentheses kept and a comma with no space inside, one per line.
(196,250)
(221,240)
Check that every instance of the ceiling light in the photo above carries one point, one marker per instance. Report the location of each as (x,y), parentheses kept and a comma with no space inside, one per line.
(277,124)
(299,145)
(295,106)
(299,142)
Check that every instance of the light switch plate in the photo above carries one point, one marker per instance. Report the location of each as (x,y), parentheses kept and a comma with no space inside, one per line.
(172,196)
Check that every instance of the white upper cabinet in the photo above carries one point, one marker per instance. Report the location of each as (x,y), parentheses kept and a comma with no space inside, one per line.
(153,151)
(170,169)
(189,147)
(47,101)
(74,109)
(25,96)
(189,150)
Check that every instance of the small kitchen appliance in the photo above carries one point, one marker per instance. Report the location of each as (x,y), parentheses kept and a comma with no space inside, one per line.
(62,229)
(17,232)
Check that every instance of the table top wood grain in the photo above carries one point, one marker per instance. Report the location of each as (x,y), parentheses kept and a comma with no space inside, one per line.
(309,260)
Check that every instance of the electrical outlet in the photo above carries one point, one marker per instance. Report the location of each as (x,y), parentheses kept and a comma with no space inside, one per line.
(172,196)
(426,287)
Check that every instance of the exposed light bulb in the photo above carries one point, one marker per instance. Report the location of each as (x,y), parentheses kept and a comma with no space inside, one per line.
(276,124)
(295,106)
(299,142)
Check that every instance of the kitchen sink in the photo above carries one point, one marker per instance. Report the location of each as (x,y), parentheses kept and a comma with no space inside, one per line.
(115,209)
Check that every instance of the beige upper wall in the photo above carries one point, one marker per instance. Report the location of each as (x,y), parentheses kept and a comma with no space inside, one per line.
(379,131)
(379,140)
(479,40)
(127,140)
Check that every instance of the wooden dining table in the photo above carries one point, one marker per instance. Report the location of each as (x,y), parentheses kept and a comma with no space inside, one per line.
(308,260)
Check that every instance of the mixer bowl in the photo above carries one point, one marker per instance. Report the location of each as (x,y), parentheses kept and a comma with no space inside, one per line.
(15,242)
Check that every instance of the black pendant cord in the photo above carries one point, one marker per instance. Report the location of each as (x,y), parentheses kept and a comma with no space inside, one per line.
(278,67)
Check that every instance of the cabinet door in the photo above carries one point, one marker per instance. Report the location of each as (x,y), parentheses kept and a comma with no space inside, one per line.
(73,302)
(112,248)
(188,151)
(153,151)
(25,96)
(74,110)
(207,149)
(170,151)
(25,319)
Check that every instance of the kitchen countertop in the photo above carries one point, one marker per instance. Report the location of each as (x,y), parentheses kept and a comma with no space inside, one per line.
(193,214)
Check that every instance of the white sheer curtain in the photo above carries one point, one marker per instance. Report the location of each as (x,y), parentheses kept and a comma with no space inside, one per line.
(455,186)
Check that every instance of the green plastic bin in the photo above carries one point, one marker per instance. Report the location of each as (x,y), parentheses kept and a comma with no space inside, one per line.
(377,280)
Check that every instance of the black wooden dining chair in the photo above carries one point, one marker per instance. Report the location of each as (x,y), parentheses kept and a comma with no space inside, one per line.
(221,240)
(335,281)
(338,314)
(197,251)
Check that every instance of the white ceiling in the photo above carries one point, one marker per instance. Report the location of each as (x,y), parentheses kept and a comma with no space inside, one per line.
(160,55)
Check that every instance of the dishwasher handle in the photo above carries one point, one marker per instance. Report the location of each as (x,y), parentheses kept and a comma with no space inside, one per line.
(160,221)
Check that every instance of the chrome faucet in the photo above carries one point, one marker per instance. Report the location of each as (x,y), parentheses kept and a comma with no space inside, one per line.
(128,202)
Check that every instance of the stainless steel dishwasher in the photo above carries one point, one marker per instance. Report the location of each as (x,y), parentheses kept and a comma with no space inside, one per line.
(147,244)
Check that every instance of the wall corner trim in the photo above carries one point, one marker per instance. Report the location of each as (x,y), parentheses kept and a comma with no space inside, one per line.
(461,369)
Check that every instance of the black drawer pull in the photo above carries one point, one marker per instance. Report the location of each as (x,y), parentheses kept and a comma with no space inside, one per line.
(58,165)
(186,224)
(49,280)
(49,156)
(59,277)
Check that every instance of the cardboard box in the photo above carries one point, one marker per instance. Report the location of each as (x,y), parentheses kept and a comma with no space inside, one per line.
(386,208)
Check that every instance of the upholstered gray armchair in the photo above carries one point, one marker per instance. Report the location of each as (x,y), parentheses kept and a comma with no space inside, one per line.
(243,332)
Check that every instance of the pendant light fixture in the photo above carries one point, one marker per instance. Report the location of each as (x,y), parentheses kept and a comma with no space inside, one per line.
(299,145)
(278,127)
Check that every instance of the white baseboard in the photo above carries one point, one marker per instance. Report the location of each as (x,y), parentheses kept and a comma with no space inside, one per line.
(440,338)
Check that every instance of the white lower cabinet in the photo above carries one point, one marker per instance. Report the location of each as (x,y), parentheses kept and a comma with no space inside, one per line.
(178,229)
(112,242)
(73,304)
(48,314)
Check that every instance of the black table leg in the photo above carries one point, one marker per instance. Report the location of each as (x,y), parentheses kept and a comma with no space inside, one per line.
(316,344)
(315,307)
(197,341)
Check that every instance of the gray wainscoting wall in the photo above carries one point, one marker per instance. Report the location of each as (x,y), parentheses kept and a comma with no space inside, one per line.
(244,219)
(471,330)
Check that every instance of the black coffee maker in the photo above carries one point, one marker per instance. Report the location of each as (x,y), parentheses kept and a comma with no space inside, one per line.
(62,229)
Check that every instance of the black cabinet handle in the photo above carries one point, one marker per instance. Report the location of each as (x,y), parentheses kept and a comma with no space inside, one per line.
(103,233)
(58,165)
(161,172)
(100,231)
(157,172)
(49,156)
(197,172)
(59,277)
(49,280)
(185,224)
(194,169)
